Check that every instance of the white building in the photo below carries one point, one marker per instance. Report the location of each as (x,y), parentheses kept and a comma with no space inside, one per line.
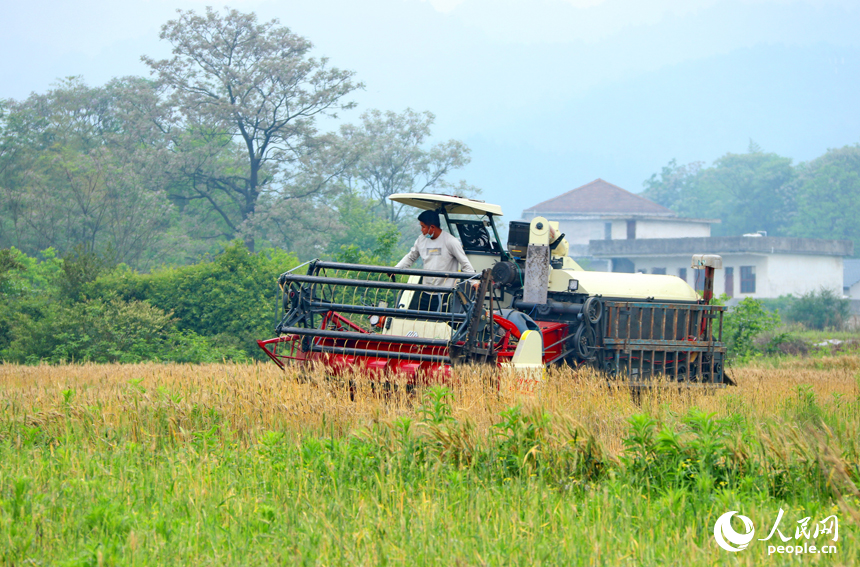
(628,233)
(602,211)
(760,267)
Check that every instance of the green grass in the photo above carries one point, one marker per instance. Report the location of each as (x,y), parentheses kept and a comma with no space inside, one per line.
(128,506)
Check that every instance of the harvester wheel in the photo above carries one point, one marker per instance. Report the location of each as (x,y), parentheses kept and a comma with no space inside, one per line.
(682,373)
(611,370)
(593,309)
(584,341)
(718,372)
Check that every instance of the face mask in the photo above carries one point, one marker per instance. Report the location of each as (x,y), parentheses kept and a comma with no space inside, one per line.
(430,236)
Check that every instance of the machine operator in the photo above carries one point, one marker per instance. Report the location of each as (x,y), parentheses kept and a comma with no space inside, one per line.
(440,251)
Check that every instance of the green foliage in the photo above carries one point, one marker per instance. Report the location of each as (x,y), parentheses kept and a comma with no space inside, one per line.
(187,346)
(436,408)
(154,468)
(828,203)
(233,297)
(391,156)
(97,330)
(693,457)
(83,165)
(81,266)
(169,168)
(366,237)
(31,276)
(744,323)
(674,185)
(779,304)
(25,292)
(747,192)
(762,191)
(520,439)
(79,309)
(824,309)
(9,263)
(284,90)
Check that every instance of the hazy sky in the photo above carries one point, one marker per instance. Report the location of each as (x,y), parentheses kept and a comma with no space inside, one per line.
(549,94)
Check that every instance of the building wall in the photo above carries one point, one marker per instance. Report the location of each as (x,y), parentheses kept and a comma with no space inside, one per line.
(799,274)
(775,274)
(664,229)
(854,291)
(672,265)
(580,231)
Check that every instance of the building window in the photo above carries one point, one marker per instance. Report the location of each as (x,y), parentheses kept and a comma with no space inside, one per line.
(747,279)
(730,282)
(607,231)
(631,230)
(660,271)
(682,273)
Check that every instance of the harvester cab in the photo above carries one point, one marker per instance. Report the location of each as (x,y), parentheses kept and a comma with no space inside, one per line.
(530,305)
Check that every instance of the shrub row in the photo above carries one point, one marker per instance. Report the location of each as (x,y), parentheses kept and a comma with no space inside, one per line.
(79,308)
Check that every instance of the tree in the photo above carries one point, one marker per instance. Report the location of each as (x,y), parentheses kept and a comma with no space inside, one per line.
(674,186)
(828,197)
(305,218)
(80,166)
(391,157)
(8,262)
(364,237)
(744,322)
(234,80)
(748,192)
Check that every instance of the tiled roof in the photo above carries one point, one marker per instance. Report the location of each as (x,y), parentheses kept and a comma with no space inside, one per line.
(600,196)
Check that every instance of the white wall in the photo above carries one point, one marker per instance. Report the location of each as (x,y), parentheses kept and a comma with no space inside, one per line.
(674,263)
(581,231)
(854,291)
(799,274)
(666,229)
(776,274)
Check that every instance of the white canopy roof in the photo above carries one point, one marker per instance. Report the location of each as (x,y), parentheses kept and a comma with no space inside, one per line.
(454,205)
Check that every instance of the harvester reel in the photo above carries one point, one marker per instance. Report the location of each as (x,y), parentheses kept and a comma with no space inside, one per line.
(291,297)
(593,309)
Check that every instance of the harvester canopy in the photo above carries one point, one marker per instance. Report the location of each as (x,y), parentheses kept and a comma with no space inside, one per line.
(449,203)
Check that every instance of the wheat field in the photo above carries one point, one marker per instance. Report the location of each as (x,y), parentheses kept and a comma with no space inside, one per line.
(256,398)
(246,464)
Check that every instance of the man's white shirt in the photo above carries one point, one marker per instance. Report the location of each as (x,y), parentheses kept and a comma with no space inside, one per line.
(442,254)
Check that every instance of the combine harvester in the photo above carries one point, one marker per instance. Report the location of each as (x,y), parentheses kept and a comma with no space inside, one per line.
(528,307)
